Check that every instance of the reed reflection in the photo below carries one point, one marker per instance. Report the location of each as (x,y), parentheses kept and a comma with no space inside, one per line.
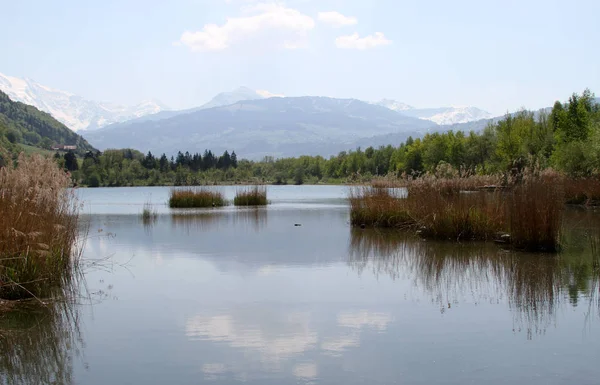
(533,285)
(38,343)
(253,218)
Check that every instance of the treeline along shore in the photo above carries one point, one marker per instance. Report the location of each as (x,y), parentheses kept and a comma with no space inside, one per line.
(566,139)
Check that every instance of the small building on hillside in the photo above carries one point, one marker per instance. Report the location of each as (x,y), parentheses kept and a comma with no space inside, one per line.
(63,147)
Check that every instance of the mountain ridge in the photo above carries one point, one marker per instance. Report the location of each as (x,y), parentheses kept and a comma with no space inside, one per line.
(287,126)
(21,123)
(72,110)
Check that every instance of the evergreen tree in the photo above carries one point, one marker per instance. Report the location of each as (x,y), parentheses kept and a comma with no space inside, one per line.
(71,161)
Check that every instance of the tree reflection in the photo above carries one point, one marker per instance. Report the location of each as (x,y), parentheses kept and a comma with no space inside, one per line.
(38,343)
(533,285)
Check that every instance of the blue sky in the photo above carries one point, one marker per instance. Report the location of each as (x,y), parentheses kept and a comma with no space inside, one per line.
(497,55)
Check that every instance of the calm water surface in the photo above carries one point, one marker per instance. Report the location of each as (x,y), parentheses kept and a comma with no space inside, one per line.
(233,295)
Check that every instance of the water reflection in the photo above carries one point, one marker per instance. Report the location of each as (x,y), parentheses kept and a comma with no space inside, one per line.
(273,342)
(253,218)
(260,339)
(349,325)
(38,344)
(532,284)
(245,295)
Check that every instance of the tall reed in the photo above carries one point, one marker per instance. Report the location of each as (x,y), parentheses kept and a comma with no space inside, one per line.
(535,207)
(379,207)
(467,208)
(251,196)
(582,191)
(194,197)
(38,228)
(453,208)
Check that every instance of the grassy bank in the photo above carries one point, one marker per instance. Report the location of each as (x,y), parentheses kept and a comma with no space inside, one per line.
(251,196)
(470,208)
(38,228)
(196,197)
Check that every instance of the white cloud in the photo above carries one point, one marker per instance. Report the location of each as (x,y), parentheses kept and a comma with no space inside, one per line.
(217,368)
(336,19)
(336,346)
(306,371)
(354,41)
(272,348)
(357,320)
(285,27)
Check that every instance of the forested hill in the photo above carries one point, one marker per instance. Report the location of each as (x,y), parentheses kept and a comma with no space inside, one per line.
(24,124)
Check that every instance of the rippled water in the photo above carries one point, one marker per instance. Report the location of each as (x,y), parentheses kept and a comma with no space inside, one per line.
(245,295)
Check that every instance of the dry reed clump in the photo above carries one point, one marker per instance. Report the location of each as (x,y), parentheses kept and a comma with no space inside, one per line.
(195,197)
(582,191)
(468,208)
(535,208)
(455,208)
(378,207)
(251,196)
(38,228)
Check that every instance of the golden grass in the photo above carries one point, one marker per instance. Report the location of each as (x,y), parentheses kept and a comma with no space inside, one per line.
(582,191)
(467,208)
(38,228)
(535,210)
(194,197)
(251,196)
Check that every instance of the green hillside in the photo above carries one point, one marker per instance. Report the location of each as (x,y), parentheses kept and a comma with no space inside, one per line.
(24,125)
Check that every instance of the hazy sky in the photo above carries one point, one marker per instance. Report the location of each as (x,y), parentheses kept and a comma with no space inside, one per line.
(495,54)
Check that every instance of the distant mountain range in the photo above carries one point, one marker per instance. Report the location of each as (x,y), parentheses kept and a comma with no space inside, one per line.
(255,128)
(253,123)
(74,111)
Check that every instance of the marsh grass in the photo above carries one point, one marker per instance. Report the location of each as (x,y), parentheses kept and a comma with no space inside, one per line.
(149,214)
(472,208)
(251,196)
(379,207)
(38,228)
(535,210)
(455,209)
(195,197)
(582,191)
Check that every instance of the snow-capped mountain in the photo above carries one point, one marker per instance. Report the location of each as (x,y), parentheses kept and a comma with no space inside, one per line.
(73,111)
(394,105)
(449,115)
(441,116)
(238,95)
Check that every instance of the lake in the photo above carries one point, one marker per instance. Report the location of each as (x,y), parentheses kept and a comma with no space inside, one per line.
(291,294)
